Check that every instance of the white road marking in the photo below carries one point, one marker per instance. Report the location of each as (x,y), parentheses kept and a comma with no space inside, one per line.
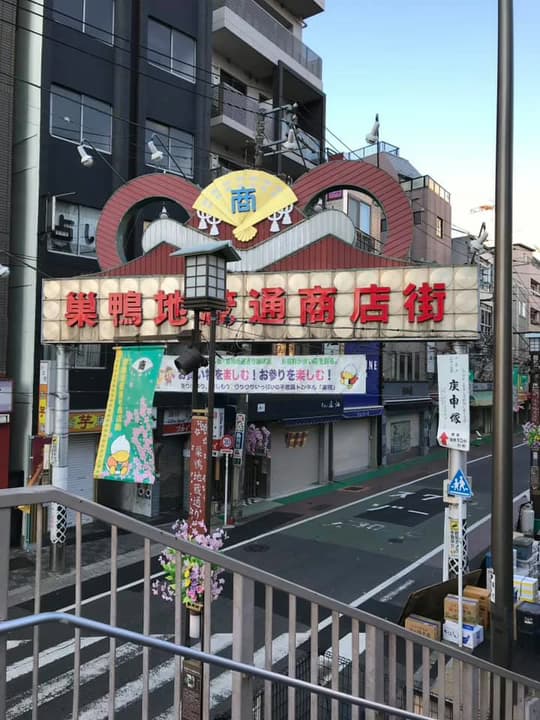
(11,644)
(221,686)
(345,646)
(49,690)
(48,656)
(284,528)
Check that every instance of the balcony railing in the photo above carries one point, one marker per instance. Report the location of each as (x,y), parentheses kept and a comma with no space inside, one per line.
(392,671)
(235,106)
(273,31)
(370,150)
(425,181)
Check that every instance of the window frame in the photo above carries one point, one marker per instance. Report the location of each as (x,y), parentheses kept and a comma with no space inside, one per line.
(169,67)
(439,226)
(171,166)
(82,134)
(98,348)
(76,241)
(83,22)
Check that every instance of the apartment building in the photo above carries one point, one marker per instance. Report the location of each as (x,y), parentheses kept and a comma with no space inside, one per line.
(266,87)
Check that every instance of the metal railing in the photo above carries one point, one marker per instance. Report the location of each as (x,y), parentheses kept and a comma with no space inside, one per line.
(275,32)
(269,622)
(234,105)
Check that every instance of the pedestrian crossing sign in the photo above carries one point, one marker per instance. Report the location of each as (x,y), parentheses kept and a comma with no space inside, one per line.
(459,485)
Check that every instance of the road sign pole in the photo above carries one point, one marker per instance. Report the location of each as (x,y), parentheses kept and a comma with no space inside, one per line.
(460,573)
(226,508)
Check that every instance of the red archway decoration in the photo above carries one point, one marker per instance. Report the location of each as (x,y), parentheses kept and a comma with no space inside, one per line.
(144,187)
(377,182)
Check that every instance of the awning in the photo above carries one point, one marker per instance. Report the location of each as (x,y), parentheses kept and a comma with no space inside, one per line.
(362,411)
(482,398)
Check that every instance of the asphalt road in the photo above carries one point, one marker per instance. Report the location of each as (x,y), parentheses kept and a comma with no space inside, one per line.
(372,552)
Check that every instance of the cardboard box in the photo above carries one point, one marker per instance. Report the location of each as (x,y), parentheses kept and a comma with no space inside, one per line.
(424,626)
(472,635)
(529,589)
(471,609)
(483,597)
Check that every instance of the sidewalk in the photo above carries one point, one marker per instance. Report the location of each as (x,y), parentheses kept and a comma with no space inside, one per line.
(259,517)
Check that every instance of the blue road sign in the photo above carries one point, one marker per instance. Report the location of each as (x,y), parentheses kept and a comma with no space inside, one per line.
(459,486)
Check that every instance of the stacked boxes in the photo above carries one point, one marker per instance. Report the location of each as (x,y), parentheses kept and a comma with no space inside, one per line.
(475,610)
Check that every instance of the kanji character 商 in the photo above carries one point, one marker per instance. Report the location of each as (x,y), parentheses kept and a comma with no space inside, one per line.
(376,307)
(243,200)
(81,309)
(170,308)
(126,308)
(268,305)
(317,305)
(426,302)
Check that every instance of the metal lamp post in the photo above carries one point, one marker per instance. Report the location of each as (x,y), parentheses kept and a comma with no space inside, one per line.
(205,289)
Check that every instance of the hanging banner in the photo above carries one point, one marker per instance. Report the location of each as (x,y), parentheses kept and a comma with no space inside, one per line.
(285,374)
(126,448)
(198,467)
(454,413)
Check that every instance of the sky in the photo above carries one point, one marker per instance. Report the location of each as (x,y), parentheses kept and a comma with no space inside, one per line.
(429,68)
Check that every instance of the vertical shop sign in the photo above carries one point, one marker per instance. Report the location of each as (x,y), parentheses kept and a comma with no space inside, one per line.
(454,413)
(126,447)
(198,467)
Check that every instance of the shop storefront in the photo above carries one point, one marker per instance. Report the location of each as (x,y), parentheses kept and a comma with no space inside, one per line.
(406,422)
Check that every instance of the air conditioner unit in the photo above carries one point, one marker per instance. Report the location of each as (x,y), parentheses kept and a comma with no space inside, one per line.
(216,75)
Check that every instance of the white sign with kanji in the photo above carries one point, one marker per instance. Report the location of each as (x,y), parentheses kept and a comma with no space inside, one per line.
(454,413)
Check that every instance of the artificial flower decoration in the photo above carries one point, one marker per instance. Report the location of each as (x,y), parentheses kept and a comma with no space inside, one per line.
(192,567)
(531,434)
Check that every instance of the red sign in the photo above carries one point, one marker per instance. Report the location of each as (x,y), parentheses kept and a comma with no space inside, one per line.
(268,306)
(227,442)
(180,428)
(197,469)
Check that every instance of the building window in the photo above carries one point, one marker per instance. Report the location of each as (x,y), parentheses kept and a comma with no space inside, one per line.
(75,117)
(406,367)
(535,316)
(88,356)
(74,230)
(439,227)
(360,214)
(417,217)
(93,17)
(522,308)
(486,320)
(231,82)
(384,225)
(171,50)
(178,143)
(535,287)
(486,277)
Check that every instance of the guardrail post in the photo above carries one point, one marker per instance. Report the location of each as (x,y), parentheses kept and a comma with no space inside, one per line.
(5,521)
(374,669)
(243,645)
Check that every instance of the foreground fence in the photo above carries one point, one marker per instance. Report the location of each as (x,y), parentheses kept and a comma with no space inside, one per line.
(270,649)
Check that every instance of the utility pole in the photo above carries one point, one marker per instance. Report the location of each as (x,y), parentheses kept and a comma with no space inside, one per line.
(501,518)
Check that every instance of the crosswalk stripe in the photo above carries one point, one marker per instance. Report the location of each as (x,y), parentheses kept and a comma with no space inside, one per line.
(48,656)
(52,689)
(159,675)
(221,686)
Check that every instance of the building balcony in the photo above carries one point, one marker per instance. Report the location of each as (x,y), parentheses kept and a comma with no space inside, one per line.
(304,8)
(234,116)
(242,29)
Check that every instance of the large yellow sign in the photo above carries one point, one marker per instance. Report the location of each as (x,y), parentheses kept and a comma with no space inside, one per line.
(244,198)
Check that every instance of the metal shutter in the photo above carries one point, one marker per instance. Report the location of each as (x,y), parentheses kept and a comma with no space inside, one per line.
(81,459)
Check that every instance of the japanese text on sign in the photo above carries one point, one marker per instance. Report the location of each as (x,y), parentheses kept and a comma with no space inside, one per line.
(197,469)
(424,303)
(454,414)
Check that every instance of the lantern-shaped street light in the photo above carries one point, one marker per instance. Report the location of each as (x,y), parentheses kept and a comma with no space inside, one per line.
(205,289)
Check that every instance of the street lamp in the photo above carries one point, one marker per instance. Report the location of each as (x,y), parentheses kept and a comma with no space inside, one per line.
(205,289)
